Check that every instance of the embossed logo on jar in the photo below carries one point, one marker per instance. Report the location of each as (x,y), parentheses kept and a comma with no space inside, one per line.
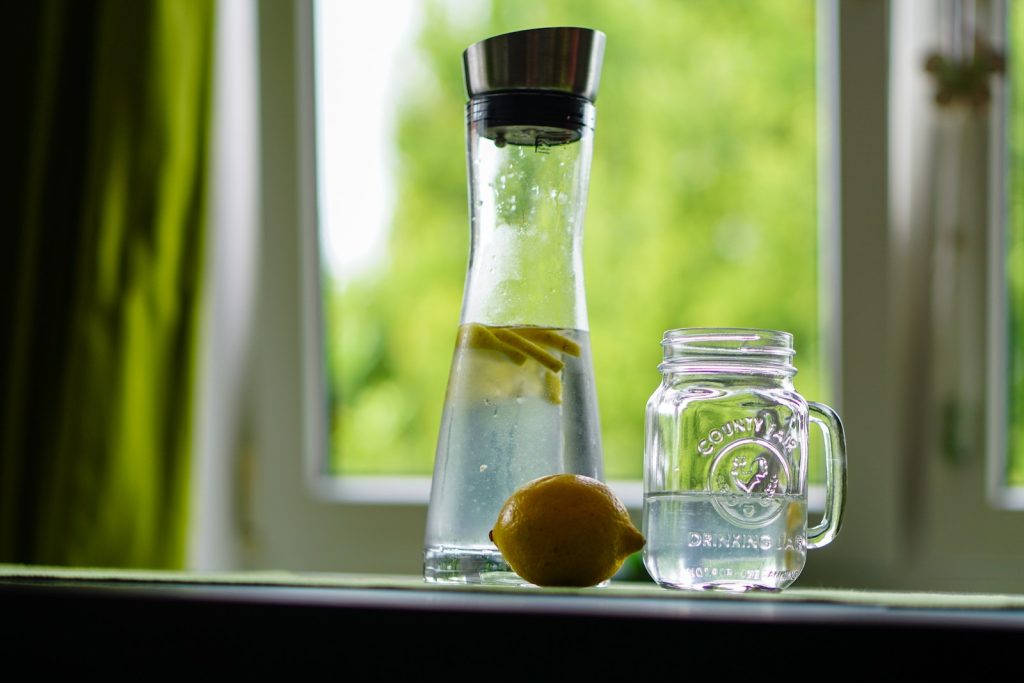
(749,479)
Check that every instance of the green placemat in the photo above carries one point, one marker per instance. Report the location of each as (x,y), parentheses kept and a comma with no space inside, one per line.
(891,599)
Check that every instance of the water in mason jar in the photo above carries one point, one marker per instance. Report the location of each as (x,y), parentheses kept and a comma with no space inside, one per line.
(520,405)
(730,542)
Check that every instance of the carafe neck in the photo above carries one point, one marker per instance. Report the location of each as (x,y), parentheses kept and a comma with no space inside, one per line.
(529,166)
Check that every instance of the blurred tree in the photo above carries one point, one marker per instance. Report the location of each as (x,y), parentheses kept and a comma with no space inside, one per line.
(702,212)
(1015,257)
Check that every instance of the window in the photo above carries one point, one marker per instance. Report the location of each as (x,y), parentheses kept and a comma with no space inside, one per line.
(955,231)
(702,205)
(905,527)
(1013,163)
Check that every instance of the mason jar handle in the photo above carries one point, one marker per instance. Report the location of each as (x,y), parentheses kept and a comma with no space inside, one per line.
(835,474)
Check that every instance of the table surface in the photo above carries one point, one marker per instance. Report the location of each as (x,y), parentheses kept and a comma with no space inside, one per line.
(160,614)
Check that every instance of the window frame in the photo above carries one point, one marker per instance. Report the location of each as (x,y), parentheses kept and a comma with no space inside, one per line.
(881,544)
(415,489)
(997,428)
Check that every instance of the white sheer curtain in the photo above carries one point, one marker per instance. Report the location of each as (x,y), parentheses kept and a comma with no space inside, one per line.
(947,63)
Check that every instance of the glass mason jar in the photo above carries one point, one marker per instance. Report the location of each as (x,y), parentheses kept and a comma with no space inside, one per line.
(725,463)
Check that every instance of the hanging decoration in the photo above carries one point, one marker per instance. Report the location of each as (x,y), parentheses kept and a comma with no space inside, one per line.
(963,70)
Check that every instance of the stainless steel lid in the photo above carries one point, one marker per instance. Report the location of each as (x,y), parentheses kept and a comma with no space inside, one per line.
(563,59)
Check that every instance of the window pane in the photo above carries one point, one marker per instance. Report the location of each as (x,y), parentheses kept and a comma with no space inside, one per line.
(1015,258)
(702,207)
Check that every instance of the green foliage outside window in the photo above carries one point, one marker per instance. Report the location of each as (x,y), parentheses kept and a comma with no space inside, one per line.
(702,212)
(1015,257)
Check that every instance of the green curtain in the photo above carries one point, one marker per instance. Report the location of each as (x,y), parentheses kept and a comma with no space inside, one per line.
(101,278)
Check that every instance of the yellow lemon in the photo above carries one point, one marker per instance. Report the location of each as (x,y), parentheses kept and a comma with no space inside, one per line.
(565,530)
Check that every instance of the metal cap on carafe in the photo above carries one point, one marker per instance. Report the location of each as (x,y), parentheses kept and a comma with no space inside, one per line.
(563,59)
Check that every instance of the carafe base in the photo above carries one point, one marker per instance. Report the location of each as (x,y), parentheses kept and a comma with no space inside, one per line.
(446,564)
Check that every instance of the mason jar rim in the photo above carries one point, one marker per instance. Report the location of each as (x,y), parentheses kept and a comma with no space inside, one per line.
(739,340)
(713,349)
